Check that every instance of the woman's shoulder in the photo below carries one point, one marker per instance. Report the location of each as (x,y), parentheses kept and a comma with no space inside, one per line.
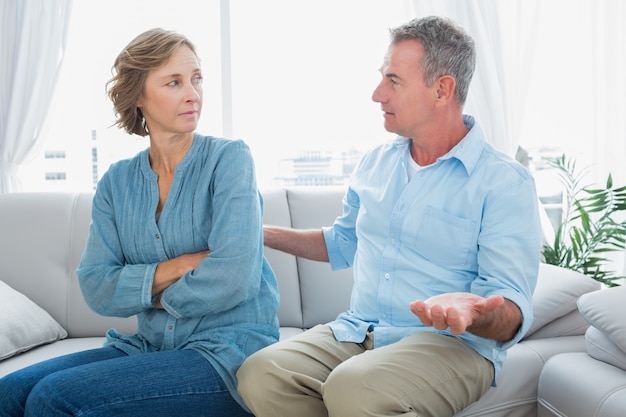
(128,163)
(218,147)
(219,142)
(124,169)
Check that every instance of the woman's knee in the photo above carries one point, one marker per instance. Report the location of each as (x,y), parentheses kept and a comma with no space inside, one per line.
(49,396)
(13,393)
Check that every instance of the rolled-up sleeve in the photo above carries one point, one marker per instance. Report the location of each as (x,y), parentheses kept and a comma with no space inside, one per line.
(341,239)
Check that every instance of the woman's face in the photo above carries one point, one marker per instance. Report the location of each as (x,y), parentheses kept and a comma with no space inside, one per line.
(171,101)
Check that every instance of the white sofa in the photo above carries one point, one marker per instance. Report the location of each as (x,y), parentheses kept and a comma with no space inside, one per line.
(42,237)
(596,385)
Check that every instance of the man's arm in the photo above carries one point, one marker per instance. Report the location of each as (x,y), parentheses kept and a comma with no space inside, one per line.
(308,243)
(493,317)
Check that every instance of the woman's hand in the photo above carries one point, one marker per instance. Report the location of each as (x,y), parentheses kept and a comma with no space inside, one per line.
(170,271)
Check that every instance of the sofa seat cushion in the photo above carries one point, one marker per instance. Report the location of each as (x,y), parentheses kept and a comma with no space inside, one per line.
(24,324)
(49,351)
(516,392)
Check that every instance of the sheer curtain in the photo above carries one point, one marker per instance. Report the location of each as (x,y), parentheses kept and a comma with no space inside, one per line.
(608,142)
(32,43)
(502,45)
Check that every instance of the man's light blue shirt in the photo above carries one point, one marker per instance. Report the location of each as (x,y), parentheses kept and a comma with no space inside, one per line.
(467,223)
(226,308)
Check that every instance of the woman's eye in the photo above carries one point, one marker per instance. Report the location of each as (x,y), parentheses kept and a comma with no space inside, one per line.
(173,83)
(198,79)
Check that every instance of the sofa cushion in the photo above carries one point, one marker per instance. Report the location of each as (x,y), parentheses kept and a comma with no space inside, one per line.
(605,311)
(602,348)
(571,324)
(556,294)
(24,324)
(576,385)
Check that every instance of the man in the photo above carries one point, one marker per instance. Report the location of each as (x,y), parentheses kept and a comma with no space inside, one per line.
(443,235)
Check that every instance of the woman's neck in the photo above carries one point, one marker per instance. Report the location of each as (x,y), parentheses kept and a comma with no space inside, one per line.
(165,154)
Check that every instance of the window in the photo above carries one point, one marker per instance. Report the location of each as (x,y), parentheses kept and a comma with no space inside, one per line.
(297,80)
(54,155)
(300,79)
(56,176)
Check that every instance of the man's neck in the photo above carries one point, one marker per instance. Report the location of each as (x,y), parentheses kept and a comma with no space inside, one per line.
(427,147)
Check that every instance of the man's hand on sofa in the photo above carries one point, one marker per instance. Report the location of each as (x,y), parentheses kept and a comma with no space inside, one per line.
(493,317)
(305,243)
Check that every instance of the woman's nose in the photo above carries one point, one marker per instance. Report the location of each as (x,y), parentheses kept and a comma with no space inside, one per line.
(193,93)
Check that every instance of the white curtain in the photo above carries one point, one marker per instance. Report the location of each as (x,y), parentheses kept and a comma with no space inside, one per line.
(608,141)
(502,47)
(504,52)
(32,42)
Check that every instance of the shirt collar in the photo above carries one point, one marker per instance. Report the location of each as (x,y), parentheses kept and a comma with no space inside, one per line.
(467,151)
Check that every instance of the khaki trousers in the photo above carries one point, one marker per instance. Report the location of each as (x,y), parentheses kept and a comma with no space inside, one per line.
(313,375)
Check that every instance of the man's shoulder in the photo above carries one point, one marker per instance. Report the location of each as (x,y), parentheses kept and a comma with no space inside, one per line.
(385,152)
(500,163)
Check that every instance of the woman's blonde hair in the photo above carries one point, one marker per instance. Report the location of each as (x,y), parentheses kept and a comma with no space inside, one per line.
(146,52)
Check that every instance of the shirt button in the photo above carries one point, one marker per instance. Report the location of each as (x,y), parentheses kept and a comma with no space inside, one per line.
(170,327)
(387,275)
(157,237)
(393,241)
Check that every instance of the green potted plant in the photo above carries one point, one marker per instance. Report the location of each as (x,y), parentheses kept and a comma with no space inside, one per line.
(588,231)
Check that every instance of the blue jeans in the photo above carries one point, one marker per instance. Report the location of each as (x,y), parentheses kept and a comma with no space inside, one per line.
(107,382)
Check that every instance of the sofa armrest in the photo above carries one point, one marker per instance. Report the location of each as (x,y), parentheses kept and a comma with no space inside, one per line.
(576,385)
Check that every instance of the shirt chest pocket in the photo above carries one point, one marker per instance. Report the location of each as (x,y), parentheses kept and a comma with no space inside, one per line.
(444,238)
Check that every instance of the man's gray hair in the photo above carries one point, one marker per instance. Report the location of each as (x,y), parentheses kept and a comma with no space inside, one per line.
(448,50)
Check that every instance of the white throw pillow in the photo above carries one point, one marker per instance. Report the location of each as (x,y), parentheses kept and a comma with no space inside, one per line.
(602,348)
(556,294)
(23,324)
(605,310)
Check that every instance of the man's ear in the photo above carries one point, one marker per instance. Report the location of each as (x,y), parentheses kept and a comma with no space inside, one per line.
(445,88)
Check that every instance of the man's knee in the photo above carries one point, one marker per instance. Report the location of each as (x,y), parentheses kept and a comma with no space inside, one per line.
(254,375)
(349,390)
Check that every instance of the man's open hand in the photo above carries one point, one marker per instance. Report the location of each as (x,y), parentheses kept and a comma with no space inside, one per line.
(457,310)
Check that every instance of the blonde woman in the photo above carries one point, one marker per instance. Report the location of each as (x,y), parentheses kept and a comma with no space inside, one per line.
(176,239)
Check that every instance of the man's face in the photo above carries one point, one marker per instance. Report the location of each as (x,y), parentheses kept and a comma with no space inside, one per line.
(405,99)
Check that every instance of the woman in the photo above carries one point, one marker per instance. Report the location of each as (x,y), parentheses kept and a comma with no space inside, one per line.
(176,239)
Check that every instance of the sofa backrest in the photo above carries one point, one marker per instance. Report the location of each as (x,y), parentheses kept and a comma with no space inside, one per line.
(42,236)
(310,291)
